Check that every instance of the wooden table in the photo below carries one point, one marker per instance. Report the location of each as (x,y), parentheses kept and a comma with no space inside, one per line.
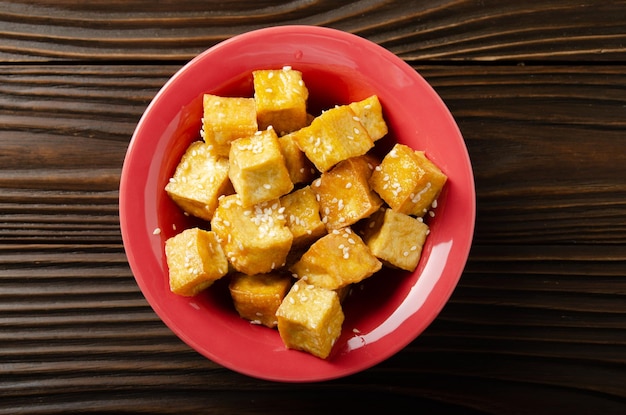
(538,321)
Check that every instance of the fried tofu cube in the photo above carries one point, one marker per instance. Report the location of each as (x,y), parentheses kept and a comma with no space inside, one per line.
(257,168)
(335,260)
(370,113)
(333,136)
(344,194)
(395,238)
(302,212)
(256,239)
(281,98)
(310,319)
(199,179)
(226,119)
(257,297)
(408,181)
(300,168)
(195,260)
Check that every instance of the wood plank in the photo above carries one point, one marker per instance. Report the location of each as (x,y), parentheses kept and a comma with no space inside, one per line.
(539,311)
(489,30)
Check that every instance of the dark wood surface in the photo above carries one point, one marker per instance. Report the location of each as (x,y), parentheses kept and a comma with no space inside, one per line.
(538,321)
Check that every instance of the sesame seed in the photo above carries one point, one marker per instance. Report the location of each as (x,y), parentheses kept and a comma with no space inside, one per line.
(267,186)
(348,185)
(269,90)
(291,300)
(270,75)
(405,253)
(434,205)
(156,231)
(286,68)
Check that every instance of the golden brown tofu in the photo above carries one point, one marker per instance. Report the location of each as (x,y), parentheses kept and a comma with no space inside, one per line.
(281,98)
(257,297)
(310,319)
(195,260)
(257,168)
(303,216)
(336,260)
(199,179)
(333,136)
(370,113)
(226,119)
(407,181)
(395,238)
(300,168)
(344,194)
(255,239)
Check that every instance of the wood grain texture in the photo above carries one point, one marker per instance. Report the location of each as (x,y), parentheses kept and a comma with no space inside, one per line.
(489,30)
(538,321)
(539,312)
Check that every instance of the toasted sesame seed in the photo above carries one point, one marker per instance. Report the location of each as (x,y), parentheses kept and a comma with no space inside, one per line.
(348,185)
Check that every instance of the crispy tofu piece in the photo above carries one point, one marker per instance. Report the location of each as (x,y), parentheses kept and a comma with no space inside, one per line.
(257,168)
(395,238)
(370,113)
(257,297)
(336,260)
(310,319)
(256,239)
(407,180)
(226,119)
(344,194)
(303,216)
(300,168)
(333,136)
(281,98)
(195,260)
(199,179)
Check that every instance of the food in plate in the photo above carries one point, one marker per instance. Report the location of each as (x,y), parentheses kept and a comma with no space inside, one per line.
(298,208)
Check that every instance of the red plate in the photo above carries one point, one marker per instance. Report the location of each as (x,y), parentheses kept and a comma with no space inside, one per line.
(387,311)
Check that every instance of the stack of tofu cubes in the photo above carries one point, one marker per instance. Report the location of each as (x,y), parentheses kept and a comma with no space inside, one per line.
(297,207)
